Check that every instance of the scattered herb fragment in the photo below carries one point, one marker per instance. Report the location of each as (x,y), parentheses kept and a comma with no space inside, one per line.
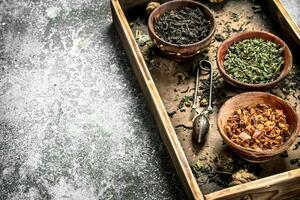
(219,37)
(289,85)
(181,77)
(296,146)
(234,16)
(256,8)
(187,101)
(242,176)
(171,114)
(176,97)
(141,38)
(295,161)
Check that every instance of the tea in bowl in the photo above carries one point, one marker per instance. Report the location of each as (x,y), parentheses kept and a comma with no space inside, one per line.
(181,28)
(254,60)
(258,126)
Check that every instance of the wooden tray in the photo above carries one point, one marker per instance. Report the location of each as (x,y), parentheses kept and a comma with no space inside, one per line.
(159,82)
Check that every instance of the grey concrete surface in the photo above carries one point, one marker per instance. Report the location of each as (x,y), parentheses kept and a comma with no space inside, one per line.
(73,121)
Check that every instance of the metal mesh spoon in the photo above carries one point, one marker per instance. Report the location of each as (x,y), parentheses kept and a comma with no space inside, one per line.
(201,123)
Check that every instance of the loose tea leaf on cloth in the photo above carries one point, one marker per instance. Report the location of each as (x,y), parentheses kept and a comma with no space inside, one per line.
(224,170)
(183,26)
(254,61)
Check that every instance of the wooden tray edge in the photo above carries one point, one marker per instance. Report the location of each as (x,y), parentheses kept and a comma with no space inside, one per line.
(269,184)
(274,187)
(148,87)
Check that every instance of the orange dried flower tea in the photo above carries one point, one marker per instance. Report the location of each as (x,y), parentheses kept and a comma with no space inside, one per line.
(259,127)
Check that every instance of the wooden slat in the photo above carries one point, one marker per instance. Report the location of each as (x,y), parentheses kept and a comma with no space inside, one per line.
(278,187)
(163,122)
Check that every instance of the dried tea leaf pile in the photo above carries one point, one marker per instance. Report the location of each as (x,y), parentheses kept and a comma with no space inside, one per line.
(242,176)
(183,26)
(260,127)
(254,61)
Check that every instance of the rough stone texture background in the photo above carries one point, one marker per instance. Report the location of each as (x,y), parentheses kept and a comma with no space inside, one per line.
(73,121)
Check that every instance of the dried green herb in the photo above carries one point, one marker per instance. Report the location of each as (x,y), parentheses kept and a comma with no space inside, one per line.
(184,26)
(141,38)
(171,114)
(256,8)
(296,146)
(186,100)
(235,16)
(202,166)
(289,86)
(254,61)
(219,37)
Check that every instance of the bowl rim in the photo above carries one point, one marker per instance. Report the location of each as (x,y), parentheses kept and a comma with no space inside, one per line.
(207,38)
(254,152)
(236,38)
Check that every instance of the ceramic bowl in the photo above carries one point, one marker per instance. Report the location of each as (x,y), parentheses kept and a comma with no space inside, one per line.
(252,99)
(174,51)
(223,49)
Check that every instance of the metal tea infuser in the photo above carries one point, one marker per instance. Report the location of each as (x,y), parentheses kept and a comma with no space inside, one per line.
(201,122)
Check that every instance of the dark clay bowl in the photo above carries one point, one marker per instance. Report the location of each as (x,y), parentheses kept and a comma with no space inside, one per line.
(180,52)
(223,49)
(252,99)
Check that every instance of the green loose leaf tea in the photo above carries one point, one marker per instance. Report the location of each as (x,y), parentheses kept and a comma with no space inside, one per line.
(183,26)
(254,61)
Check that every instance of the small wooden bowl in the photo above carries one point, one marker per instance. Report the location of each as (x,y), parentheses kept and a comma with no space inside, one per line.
(174,51)
(252,99)
(223,49)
